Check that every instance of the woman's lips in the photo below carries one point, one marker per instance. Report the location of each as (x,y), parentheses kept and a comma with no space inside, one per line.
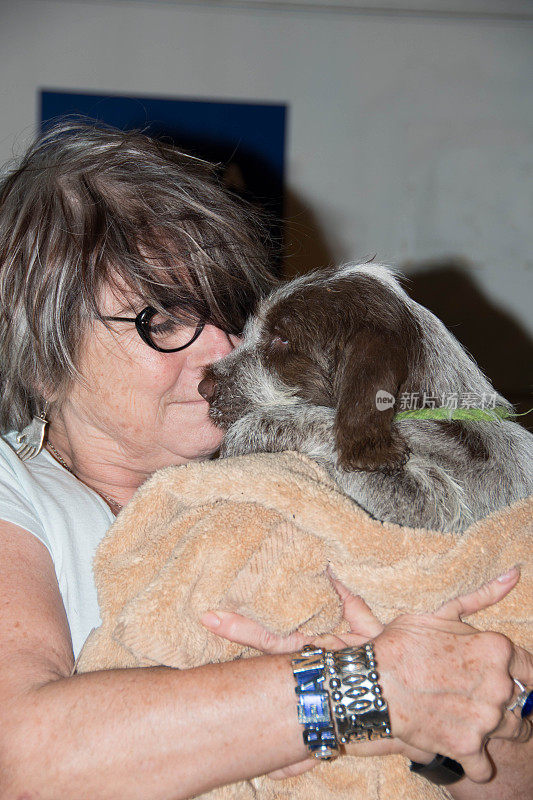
(199,401)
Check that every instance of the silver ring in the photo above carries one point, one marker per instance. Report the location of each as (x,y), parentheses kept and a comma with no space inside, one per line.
(521,698)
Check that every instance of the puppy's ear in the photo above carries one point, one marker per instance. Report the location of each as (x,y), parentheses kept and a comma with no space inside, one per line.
(372,362)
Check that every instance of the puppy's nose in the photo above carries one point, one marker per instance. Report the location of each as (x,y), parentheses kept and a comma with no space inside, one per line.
(206,388)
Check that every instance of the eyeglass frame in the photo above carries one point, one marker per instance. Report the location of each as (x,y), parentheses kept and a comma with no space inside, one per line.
(142,321)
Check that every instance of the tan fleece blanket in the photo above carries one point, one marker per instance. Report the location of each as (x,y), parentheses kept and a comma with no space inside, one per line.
(255,534)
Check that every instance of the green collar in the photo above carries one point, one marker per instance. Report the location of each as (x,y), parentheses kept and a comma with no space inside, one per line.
(442,413)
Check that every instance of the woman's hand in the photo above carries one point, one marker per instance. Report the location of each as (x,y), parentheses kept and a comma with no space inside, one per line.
(364,625)
(447,684)
(242,630)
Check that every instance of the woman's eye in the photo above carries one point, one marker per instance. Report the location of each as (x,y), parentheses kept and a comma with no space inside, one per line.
(166,326)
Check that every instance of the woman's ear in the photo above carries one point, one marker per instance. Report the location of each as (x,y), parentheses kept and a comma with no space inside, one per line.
(52,396)
(49,396)
(373,362)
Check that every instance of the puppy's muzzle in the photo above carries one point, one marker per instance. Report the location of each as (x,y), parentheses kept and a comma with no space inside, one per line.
(221,396)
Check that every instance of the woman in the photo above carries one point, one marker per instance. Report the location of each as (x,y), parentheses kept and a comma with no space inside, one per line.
(124,270)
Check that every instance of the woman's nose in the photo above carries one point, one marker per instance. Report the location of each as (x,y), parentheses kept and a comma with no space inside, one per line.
(212,345)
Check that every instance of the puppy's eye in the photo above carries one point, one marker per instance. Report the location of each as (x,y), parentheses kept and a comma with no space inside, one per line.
(279,341)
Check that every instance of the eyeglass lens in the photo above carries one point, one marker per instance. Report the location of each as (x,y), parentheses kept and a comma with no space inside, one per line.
(168,334)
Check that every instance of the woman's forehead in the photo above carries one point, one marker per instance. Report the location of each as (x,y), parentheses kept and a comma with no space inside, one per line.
(164,288)
(117,297)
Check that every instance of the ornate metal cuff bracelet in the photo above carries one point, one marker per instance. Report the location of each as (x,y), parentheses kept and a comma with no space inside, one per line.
(339,698)
(359,709)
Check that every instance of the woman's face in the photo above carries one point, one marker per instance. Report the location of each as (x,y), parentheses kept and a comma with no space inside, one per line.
(142,403)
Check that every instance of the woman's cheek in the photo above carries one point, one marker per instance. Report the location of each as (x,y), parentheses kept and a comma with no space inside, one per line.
(235,340)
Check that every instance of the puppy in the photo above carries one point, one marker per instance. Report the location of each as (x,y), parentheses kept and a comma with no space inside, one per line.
(326,364)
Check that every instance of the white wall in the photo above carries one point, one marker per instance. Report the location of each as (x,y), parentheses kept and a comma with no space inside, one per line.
(410,134)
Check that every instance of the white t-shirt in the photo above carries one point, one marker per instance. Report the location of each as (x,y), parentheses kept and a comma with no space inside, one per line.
(67,517)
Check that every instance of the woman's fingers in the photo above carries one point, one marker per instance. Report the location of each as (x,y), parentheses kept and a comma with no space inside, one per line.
(247,632)
(487,595)
(293,770)
(513,727)
(521,665)
(356,612)
(241,630)
(478,767)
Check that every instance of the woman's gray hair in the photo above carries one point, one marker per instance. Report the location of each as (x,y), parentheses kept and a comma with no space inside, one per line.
(88,205)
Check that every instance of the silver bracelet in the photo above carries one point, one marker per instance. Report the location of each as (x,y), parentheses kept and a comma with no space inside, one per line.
(359,710)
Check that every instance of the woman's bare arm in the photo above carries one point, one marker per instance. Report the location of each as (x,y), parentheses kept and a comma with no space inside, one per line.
(149,733)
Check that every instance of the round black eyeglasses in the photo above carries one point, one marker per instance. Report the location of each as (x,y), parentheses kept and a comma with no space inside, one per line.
(161,332)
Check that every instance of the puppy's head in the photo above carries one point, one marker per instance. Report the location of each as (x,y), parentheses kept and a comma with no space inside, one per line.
(337,339)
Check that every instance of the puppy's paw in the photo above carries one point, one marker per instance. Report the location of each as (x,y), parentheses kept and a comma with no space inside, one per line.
(372,451)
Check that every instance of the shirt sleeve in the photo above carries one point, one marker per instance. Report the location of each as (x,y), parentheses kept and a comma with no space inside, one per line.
(15,505)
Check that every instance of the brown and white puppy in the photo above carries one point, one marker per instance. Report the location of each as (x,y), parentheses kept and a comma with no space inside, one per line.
(317,358)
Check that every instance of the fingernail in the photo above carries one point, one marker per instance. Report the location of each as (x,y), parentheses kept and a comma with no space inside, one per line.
(508,576)
(210,620)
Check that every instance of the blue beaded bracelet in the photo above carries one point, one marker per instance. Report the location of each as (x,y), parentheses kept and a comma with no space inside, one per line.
(314,711)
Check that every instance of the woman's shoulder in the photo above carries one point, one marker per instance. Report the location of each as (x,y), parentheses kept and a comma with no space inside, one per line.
(31,477)
(40,494)
(70,519)
(16,484)
(8,457)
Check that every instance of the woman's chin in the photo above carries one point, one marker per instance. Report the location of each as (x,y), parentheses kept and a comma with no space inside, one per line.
(203,444)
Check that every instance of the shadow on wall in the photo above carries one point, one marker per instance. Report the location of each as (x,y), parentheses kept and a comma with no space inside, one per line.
(497,342)
(501,347)
(305,246)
